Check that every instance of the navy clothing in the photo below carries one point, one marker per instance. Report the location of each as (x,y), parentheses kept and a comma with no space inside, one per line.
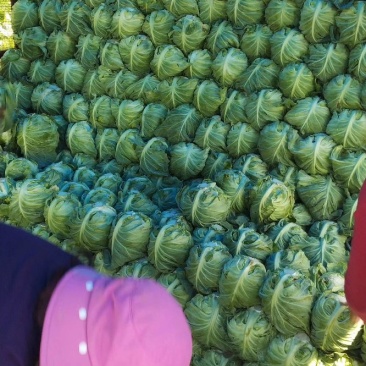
(27,265)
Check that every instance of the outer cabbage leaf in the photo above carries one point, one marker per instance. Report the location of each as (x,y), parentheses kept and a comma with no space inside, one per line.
(144,89)
(88,48)
(233,109)
(100,195)
(101,20)
(255,41)
(75,107)
(244,12)
(241,139)
(14,65)
(60,46)
(213,232)
(110,181)
(211,10)
(85,175)
(110,56)
(346,221)
(127,21)
(32,42)
(221,36)
(80,138)
(129,147)
(20,169)
(101,112)
(212,357)
(281,14)
(49,15)
(178,9)
(357,62)
(47,98)
(114,83)
(70,75)
(136,201)
(158,25)
(128,114)
(288,258)
(41,71)
(199,64)
(106,141)
(152,117)
(24,14)
(252,166)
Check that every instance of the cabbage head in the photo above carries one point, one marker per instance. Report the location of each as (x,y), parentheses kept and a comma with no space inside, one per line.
(102,112)
(60,46)
(214,232)
(177,285)
(129,237)
(349,168)
(38,138)
(152,117)
(281,14)
(75,107)
(144,89)
(296,350)
(142,184)
(41,71)
(327,60)
(110,56)
(342,92)
(28,201)
(77,189)
(211,11)
(178,9)
(141,268)
(203,203)
(317,20)
(310,116)
(106,141)
(100,195)
(207,319)
(205,264)
(70,75)
(347,128)
(221,36)
(60,214)
(49,15)
(136,52)
(288,46)
(102,263)
(334,328)
(81,159)
(101,20)
(127,21)
(252,166)
(244,12)
(136,201)
(20,168)
(200,62)
(189,33)
(80,138)
(24,14)
(129,147)
(32,42)
(148,6)
(288,258)
(88,49)
(296,81)
(242,139)
(357,59)
(240,281)
(346,221)
(212,357)
(250,333)
(255,41)
(22,97)
(158,25)
(264,107)
(47,98)
(232,111)
(94,223)
(85,175)
(286,174)
(169,245)
(114,83)
(320,194)
(168,61)
(216,162)
(287,297)
(75,18)
(14,65)
(127,113)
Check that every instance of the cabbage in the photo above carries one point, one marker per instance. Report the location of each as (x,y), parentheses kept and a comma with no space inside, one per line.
(349,168)
(60,214)
(343,91)
(77,189)
(250,332)
(114,83)
(177,285)
(288,46)
(252,166)
(136,201)
(165,198)
(41,71)
(178,9)
(148,6)
(142,184)
(236,185)
(187,160)
(169,245)
(189,33)
(102,263)
(296,81)
(80,138)
(241,139)
(154,158)
(32,42)
(200,62)
(60,46)
(75,107)
(327,60)
(264,107)
(337,358)
(28,201)
(309,116)
(177,91)
(207,319)
(144,89)
(20,169)
(255,41)
(70,75)
(203,203)
(211,10)
(38,137)
(49,15)
(347,128)
(168,61)
(281,14)
(346,221)
(110,166)
(126,21)
(129,237)
(136,52)
(101,112)
(87,50)
(152,117)
(208,97)
(215,163)
(221,36)
(331,280)
(101,20)
(244,12)
(356,63)
(233,109)
(212,133)
(14,65)
(351,24)
(129,147)
(275,143)
(158,25)
(128,113)
(240,281)
(75,18)
(287,297)
(286,174)
(22,95)
(106,141)
(261,74)
(110,56)
(312,154)
(47,98)
(292,351)
(213,232)
(288,258)
(81,159)
(100,195)
(212,357)
(85,175)
(334,328)
(317,20)
(140,268)
(24,14)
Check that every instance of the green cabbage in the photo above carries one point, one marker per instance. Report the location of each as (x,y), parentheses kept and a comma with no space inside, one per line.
(216,162)
(281,14)
(148,6)
(288,258)
(241,139)
(140,268)
(152,117)
(136,201)
(77,189)
(32,42)
(233,109)
(24,14)
(211,10)
(60,46)
(158,25)
(154,158)
(127,21)
(41,71)
(356,63)
(110,56)
(22,95)
(85,175)
(49,15)
(80,138)
(106,141)
(200,62)
(114,83)
(129,147)
(214,232)
(47,98)
(178,8)
(252,166)
(244,12)
(87,50)
(70,75)
(144,89)
(255,41)
(346,221)
(14,65)
(101,20)
(100,195)
(221,36)
(81,159)
(75,107)
(101,112)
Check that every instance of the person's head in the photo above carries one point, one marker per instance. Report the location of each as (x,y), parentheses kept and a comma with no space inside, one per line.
(93,320)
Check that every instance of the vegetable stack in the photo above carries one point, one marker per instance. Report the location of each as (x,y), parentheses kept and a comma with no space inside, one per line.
(217,146)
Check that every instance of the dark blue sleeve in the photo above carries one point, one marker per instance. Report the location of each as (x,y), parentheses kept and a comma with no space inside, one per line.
(28,263)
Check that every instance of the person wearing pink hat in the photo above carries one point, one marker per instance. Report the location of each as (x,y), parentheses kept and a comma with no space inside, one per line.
(61,313)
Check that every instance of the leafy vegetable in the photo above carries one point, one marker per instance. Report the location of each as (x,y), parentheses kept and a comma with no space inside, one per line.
(211,11)
(60,46)
(158,25)
(106,141)
(88,48)
(199,64)
(244,12)
(32,42)
(129,147)
(252,166)
(80,138)
(70,75)
(75,107)
(255,41)
(14,65)
(154,158)
(101,112)
(140,268)
(152,117)
(281,14)
(47,98)
(221,36)
(179,9)
(127,21)
(24,15)
(101,20)
(41,71)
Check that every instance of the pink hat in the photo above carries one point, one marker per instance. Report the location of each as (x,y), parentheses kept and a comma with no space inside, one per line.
(93,320)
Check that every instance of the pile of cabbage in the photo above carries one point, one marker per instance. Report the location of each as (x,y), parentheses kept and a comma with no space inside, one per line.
(217,146)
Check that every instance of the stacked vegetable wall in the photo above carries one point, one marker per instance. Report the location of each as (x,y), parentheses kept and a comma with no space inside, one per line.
(216,146)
